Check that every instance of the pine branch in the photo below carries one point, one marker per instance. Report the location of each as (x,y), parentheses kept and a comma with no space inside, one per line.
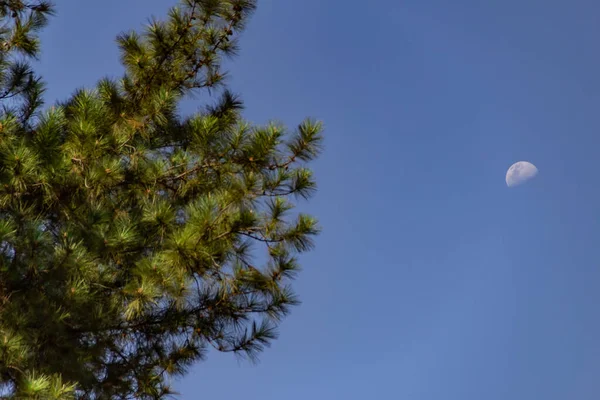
(127,233)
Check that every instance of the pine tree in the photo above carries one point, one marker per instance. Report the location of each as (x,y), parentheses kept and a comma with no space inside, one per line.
(130,235)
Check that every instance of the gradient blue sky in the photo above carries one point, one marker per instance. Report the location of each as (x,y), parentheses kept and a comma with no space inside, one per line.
(432,280)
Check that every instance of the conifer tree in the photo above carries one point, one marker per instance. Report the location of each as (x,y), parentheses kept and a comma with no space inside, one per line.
(130,236)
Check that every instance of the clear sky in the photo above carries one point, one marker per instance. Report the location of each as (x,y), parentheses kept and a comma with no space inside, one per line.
(432,280)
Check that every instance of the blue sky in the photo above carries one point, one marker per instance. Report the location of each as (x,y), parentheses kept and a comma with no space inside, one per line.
(432,280)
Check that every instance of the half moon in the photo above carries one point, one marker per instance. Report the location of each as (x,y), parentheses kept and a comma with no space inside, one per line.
(520,172)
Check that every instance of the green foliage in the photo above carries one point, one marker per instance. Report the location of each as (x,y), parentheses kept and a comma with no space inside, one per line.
(129,234)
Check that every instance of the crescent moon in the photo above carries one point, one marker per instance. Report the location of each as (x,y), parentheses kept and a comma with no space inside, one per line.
(520,172)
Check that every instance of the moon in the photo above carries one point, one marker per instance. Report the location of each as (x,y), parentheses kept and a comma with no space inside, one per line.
(520,172)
